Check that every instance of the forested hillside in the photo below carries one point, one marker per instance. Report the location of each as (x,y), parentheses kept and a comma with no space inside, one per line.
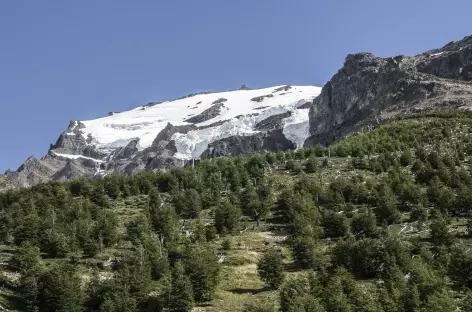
(377,222)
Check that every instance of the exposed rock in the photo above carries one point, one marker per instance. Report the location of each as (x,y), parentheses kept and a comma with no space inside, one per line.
(244,87)
(151,104)
(215,124)
(191,95)
(284,88)
(368,90)
(165,134)
(207,114)
(126,152)
(75,168)
(259,99)
(240,145)
(222,100)
(272,122)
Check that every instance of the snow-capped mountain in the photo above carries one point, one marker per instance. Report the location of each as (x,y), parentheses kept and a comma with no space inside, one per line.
(365,92)
(161,135)
(210,117)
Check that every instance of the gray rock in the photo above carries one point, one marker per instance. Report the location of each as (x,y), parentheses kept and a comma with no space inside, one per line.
(272,122)
(240,145)
(261,98)
(207,114)
(369,90)
(284,88)
(222,100)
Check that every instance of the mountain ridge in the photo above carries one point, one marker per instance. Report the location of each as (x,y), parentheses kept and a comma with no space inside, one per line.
(365,92)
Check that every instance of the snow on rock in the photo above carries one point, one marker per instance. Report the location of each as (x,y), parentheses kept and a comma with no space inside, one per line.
(237,116)
(69,156)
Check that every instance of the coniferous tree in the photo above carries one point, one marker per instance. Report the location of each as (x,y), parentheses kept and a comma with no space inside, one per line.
(60,290)
(181,293)
(271,268)
(227,217)
(202,267)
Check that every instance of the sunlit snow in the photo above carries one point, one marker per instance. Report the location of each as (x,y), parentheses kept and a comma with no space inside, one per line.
(145,123)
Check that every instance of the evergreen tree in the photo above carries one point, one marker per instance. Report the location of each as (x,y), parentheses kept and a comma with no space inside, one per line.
(440,301)
(406,158)
(271,268)
(181,293)
(227,217)
(311,164)
(364,225)
(439,232)
(334,224)
(202,267)
(60,290)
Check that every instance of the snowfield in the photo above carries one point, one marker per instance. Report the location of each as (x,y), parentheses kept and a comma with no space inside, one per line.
(240,113)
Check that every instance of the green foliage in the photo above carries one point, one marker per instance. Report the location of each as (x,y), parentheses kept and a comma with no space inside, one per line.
(334,224)
(260,307)
(227,217)
(154,234)
(181,293)
(201,266)
(311,164)
(59,291)
(364,225)
(271,268)
(439,232)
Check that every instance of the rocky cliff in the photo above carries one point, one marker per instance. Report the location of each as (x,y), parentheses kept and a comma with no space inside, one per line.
(369,90)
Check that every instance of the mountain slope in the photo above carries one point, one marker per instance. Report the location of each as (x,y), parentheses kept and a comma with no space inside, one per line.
(365,92)
(163,135)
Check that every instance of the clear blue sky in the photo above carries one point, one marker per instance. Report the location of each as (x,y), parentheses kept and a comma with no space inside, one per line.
(77,60)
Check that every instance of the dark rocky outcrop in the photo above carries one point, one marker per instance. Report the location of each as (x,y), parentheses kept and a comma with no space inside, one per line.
(126,152)
(222,100)
(244,87)
(272,122)
(207,114)
(240,145)
(369,90)
(215,124)
(284,88)
(261,98)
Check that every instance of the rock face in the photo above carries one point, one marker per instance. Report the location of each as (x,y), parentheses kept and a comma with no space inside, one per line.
(369,90)
(207,114)
(240,145)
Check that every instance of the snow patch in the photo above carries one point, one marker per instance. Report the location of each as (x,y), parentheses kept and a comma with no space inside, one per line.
(69,156)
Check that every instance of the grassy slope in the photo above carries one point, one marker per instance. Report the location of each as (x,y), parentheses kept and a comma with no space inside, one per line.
(240,283)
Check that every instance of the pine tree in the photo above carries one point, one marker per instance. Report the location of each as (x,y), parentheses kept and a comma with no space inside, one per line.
(60,290)
(312,164)
(202,267)
(181,293)
(335,224)
(364,225)
(271,268)
(439,232)
(227,217)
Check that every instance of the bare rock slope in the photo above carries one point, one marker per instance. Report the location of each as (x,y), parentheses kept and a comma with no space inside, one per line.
(369,90)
